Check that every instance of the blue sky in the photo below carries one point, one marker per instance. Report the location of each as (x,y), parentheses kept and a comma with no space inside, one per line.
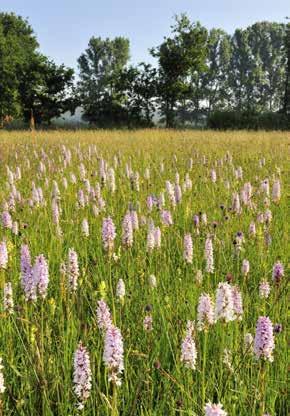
(63,27)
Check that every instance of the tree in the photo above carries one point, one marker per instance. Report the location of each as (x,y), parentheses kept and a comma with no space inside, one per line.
(31,86)
(257,71)
(178,56)
(242,76)
(210,86)
(46,90)
(138,84)
(266,42)
(100,66)
(17,46)
(287,81)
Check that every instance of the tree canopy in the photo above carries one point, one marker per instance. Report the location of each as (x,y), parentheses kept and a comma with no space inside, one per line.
(31,85)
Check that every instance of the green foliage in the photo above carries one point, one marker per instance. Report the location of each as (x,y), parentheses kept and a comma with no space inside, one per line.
(257,71)
(178,56)
(17,46)
(46,90)
(287,82)
(30,84)
(139,84)
(100,67)
(235,120)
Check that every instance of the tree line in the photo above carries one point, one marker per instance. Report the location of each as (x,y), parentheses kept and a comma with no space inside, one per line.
(199,75)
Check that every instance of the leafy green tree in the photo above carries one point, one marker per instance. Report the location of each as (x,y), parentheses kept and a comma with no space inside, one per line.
(139,85)
(178,56)
(17,46)
(31,86)
(210,86)
(287,81)
(257,71)
(46,90)
(266,42)
(242,76)
(100,67)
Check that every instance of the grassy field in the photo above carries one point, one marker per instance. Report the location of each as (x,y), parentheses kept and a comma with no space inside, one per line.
(56,190)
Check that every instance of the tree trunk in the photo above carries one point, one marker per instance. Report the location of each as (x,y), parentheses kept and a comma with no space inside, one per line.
(32,121)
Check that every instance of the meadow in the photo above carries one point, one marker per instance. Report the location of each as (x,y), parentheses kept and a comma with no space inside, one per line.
(143,273)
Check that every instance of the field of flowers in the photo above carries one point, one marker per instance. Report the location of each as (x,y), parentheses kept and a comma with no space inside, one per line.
(143,273)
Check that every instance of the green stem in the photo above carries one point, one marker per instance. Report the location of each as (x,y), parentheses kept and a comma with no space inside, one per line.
(203,369)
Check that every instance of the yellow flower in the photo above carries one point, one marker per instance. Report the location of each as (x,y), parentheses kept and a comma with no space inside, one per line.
(10,246)
(103,289)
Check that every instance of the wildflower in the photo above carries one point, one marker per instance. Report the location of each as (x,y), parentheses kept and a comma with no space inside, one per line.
(166,217)
(196,220)
(85,227)
(40,275)
(188,252)
(170,192)
(113,354)
(209,255)
(104,319)
(6,220)
(276,191)
(82,376)
(134,220)
(55,211)
(188,349)
(264,289)
(204,218)
(237,302)
(27,281)
(111,180)
(148,323)
(127,231)
(264,339)
(136,183)
(265,187)
(2,385)
(252,229)
(278,272)
(120,290)
(245,267)
(3,255)
(8,298)
(205,313)
(150,240)
(177,193)
(224,307)
(150,202)
(15,228)
(214,410)
(198,277)
(268,216)
(213,175)
(161,200)
(152,281)
(108,234)
(72,269)
(236,205)
(187,183)
(157,237)
(239,173)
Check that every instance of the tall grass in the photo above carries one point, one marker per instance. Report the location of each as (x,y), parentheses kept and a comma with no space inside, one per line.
(39,339)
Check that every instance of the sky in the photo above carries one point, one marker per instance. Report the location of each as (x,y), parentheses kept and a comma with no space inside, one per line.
(64,27)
